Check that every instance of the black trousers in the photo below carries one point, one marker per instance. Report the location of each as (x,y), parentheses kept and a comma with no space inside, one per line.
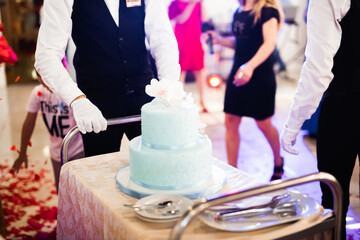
(338,144)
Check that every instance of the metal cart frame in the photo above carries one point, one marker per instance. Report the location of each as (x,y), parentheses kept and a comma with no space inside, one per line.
(70,135)
(333,222)
(328,179)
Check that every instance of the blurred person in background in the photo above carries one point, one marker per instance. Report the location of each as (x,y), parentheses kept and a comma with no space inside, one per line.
(111,62)
(331,72)
(187,16)
(58,119)
(251,86)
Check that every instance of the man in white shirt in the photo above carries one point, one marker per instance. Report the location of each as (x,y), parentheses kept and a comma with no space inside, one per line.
(111,61)
(331,71)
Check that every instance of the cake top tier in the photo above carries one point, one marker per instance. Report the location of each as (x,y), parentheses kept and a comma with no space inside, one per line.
(171,120)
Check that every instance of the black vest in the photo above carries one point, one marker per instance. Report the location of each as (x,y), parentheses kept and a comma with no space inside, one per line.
(110,61)
(346,67)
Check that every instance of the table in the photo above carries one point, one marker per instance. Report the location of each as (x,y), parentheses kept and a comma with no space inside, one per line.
(91,206)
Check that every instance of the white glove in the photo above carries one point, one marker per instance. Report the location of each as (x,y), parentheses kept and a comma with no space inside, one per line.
(87,116)
(288,139)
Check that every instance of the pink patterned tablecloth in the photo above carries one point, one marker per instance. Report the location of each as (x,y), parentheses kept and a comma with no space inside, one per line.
(91,206)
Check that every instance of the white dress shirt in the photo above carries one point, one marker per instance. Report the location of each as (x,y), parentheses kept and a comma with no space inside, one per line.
(324,37)
(55,30)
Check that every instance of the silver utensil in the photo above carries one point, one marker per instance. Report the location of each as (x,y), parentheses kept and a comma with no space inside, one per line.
(170,212)
(271,204)
(156,205)
(281,210)
(287,209)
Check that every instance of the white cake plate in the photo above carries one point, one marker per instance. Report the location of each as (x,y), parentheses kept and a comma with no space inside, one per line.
(128,187)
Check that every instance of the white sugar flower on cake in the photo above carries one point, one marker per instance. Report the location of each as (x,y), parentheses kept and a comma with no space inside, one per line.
(170,91)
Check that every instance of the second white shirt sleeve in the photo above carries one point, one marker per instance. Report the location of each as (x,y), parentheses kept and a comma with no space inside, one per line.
(324,36)
(161,39)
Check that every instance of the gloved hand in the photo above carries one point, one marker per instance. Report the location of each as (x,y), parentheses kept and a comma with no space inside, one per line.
(288,139)
(87,116)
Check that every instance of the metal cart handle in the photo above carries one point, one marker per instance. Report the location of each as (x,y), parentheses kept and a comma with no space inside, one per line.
(326,178)
(69,136)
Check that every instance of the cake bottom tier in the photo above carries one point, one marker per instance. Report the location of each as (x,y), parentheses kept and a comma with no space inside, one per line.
(170,169)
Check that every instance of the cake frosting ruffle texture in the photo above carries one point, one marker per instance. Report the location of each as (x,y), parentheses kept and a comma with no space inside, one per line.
(170,154)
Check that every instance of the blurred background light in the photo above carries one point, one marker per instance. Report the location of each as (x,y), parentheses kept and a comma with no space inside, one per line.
(214,80)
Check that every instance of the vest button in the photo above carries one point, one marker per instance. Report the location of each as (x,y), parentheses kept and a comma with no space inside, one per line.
(129,91)
(121,42)
(125,61)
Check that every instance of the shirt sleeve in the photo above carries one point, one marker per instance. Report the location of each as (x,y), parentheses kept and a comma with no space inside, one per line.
(54,33)
(324,36)
(267,13)
(161,39)
(33,105)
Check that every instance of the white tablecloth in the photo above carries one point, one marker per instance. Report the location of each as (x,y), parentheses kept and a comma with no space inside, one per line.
(91,206)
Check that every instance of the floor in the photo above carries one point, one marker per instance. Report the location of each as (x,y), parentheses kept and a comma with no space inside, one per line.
(30,199)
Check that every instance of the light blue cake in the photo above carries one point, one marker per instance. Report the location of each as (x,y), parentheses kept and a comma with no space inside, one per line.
(171,153)
(165,127)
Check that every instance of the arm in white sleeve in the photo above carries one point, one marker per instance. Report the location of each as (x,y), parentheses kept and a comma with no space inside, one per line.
(55,30)
(324,36)
(161,39)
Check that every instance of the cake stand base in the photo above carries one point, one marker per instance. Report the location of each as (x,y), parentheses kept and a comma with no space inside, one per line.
(128,187)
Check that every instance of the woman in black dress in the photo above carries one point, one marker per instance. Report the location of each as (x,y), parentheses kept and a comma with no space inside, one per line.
(251,86)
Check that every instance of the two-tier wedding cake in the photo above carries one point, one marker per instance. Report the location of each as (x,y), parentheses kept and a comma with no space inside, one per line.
(172,153)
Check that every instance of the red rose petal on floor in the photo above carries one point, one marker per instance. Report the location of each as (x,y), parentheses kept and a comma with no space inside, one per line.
(14,231)
(17,79)
(39,93)
(45,162)
(30,144)
(37,177)
(0,98)
(13,148)
(20,193)
(35,224)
